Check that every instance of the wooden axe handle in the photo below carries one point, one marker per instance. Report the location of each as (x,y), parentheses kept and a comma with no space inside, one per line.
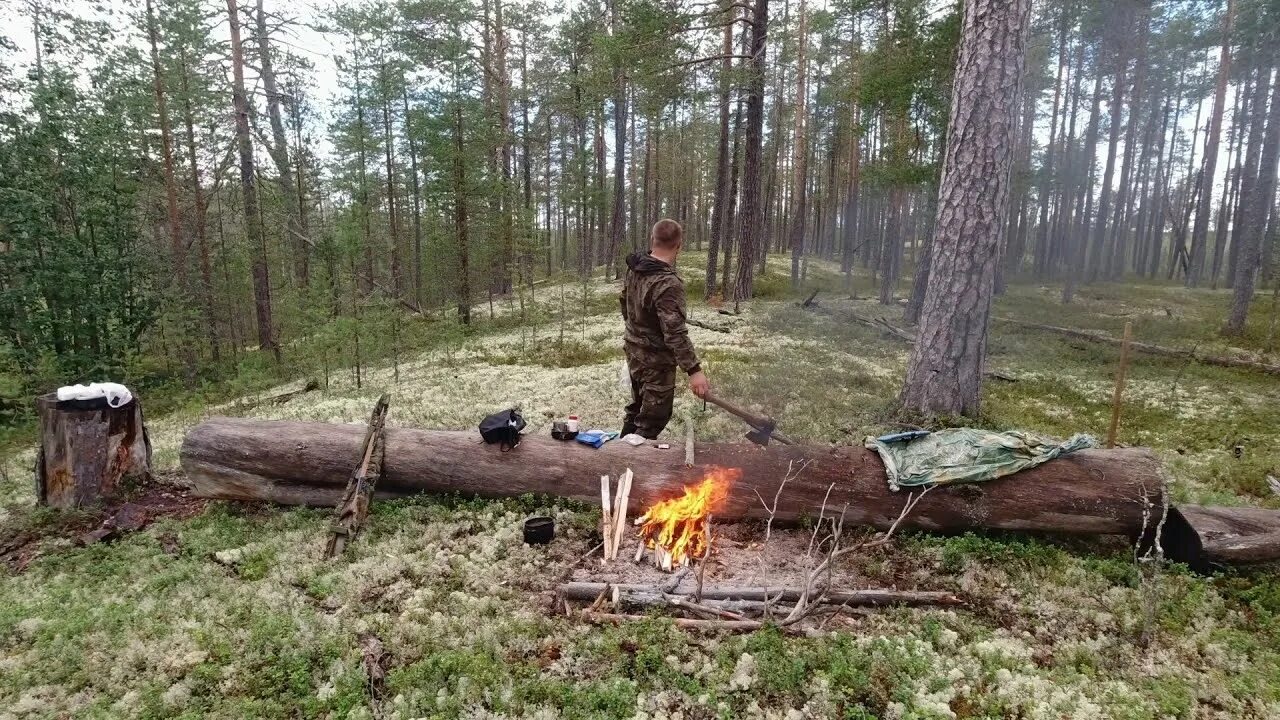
(755,421)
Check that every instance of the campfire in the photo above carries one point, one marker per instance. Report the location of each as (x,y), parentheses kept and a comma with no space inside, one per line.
(677,530)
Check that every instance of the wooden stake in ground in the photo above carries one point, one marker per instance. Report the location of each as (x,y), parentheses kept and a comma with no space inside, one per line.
(688,441)
(353,509)
(1120,378)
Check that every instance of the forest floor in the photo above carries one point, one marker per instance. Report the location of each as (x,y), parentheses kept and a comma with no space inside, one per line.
(228,610)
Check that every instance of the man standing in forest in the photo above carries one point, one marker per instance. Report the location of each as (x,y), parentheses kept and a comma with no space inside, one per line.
(656,339)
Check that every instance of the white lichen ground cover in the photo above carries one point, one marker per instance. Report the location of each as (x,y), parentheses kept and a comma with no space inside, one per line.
(233,614)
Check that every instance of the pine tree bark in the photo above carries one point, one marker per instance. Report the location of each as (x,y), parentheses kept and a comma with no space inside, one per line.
(1098,249)
(177,241)
(460,218)
(201,208)
(617,220)
(393,215)
(279,151)
(249,192)
(1247,176)
(944,372)
(799,193)
(752,208)
(416,188)
(1200,232)
(719,216)
(1260,204)
(1076,231)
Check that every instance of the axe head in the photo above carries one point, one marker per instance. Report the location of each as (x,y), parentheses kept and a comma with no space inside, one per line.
(760,435)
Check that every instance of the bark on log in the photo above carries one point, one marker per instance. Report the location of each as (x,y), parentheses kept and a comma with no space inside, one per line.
(1209,537)
(298,463)
(85,454)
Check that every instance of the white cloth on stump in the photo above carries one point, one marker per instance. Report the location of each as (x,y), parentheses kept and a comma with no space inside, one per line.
(117,395)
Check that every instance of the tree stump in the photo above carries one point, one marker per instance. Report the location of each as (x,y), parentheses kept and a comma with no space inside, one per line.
(87,449)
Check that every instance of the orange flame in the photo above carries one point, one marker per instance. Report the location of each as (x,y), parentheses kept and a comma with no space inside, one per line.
(678,525)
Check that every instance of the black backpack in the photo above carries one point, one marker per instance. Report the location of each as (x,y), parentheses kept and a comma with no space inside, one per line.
(502,428)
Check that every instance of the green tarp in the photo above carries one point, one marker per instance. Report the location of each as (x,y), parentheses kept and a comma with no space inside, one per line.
(958,455)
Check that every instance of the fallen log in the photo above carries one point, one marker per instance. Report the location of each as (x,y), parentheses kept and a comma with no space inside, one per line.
(643,594)
(1206,538)
(300,463)
(1149,349)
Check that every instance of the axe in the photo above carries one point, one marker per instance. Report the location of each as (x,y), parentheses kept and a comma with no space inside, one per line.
(762,427)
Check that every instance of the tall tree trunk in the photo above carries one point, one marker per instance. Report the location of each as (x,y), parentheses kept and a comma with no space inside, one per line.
(1060,245)
(1200,233)
(719,217)
(732,217)
(393,215)
(1050,181)
(202,243)
(1247,176)
(1118,239)
(416,188)
(249,193)
(752,208)
(279,151)
(617,222)
(944,372)
(460,217)
(1104,197)
(799,193)
(1077,233)
(177,241)
(1255,219)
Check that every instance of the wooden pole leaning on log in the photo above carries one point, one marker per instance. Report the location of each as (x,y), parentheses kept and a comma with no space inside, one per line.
(299,463)
(88,449)
(353,508)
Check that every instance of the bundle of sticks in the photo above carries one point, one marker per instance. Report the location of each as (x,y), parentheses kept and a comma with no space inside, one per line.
(614,513)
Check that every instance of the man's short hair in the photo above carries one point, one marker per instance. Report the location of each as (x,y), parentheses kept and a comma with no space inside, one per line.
(666,234)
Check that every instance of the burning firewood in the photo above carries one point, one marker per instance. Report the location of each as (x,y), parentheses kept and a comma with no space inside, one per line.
(677,528)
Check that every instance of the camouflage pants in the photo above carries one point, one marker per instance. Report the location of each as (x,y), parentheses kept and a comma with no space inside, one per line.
(653,390)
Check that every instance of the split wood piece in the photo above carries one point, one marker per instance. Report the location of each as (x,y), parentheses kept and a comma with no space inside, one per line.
(1100,337)
(87,456)
(606,517)
(620,517)
(1206,538)
(587,591)
(688,440)
(353,509)
(305,463)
